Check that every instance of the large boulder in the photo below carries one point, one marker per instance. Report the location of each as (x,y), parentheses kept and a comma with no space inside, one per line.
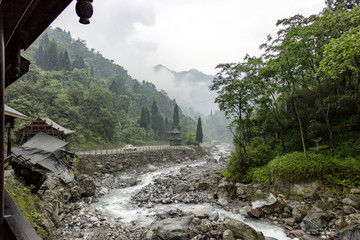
(261,199)
(266,205)
(349,233)
(86,185)
(170,228)
(226,189)
(242,230)
(315,221)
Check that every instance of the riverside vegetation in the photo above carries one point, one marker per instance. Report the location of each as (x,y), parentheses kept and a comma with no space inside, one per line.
(296,109)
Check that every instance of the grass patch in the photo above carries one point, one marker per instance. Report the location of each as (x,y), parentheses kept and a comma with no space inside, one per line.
(27,202)
(294,167)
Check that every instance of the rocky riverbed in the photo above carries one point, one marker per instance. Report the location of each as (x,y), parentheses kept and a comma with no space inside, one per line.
(195,202)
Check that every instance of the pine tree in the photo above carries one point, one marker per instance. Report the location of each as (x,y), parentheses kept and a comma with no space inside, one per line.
(199,133)
(45,42)
(64,61)
(147,117)
(51,58)
(39,57)
(176,117)
(92,71)
(78,62)
(142,121)
(155,117)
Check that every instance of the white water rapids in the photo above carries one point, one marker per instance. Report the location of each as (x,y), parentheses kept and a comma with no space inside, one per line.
(117,203)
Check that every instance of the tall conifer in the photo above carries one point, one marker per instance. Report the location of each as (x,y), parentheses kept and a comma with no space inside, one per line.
(199,133)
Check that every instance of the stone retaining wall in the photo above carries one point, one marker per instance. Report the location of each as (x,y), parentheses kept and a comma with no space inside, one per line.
(114,163)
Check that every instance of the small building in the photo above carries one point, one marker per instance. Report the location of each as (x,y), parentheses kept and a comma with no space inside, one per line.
(45,125)
(43,153)
(175,137)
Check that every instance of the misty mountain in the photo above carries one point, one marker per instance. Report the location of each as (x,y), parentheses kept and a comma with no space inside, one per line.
(189,88)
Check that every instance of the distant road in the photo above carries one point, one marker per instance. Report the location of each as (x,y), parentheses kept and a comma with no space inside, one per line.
(101,151)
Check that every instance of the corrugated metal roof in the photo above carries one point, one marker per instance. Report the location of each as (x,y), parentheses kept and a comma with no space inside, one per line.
(45,150)
(45,142)
(57,126)
(13,113)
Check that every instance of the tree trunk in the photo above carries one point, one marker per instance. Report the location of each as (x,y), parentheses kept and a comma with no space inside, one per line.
(300,127)
(327,121)
(282,128)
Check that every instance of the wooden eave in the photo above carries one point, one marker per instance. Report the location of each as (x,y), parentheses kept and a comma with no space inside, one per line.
(15,115)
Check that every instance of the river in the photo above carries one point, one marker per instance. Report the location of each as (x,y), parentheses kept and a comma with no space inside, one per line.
(118,203)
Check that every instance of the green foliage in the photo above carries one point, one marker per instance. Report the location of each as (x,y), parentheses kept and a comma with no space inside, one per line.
(301,94)
(294,167)
(28,203)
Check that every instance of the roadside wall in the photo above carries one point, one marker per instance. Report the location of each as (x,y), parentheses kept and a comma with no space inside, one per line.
(114,163)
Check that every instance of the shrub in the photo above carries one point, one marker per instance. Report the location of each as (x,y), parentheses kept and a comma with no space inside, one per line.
(294,167)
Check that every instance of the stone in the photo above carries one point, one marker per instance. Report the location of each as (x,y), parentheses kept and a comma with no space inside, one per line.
(200,211)
(120,167)
(226,189)
(350,202)
(259,195)
(181,187)
(300,234)
(223,202)
(214,216)
(242,230)
(355,191)
(349,210)
(228,235)
(349,233)
(203,186)
(103,191)
(171,228)
(328,194)
(261,199)
(290,221)
(255,213)
(86,185)
(315,221)
(93,219)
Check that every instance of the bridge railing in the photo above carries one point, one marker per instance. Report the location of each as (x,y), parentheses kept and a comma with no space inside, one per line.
(112,150)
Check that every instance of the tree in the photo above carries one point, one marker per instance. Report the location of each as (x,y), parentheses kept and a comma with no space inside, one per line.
(39,57)
(199,132)
(237,86)
(78,62)
(64,61)
(176,117)
(143,120)
(51,58)
(155,117)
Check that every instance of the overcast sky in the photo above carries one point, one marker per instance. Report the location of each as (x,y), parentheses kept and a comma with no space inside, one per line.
(181,34)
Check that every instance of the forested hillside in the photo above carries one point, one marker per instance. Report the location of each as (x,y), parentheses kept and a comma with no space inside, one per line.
(296,109)
(85,92)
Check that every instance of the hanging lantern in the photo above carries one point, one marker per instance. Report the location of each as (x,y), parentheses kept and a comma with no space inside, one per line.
(84,10)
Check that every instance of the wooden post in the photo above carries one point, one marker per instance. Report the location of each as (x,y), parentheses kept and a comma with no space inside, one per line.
(2,111)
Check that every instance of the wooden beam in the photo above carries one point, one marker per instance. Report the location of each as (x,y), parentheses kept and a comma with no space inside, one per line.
(2,111)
